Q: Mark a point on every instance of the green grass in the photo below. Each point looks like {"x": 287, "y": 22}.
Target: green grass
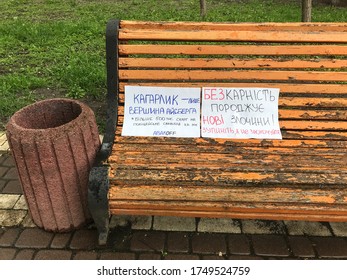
{"x": 60, "y": 45}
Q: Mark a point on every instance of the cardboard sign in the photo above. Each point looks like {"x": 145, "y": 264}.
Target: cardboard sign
{"x": 161, "y": 111}
{"x": 240, "y": 113}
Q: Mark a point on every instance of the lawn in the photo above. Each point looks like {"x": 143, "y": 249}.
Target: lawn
{"x": 51, "y": 48}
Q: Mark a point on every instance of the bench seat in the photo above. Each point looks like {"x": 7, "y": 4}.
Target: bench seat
{"x": 301, "y": 177}
{"x": 294, "y": 179}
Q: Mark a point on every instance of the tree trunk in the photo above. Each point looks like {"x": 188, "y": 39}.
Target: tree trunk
{"x": 203, "y": 8}
{"x": 306, "y": 10}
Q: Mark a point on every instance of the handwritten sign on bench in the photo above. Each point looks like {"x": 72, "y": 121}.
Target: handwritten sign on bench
{"x": 161, "y": 111}
{"x": 240, "y": 113}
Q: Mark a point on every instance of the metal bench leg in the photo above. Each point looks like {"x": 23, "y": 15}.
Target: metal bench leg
{"x": 98, "y": 202}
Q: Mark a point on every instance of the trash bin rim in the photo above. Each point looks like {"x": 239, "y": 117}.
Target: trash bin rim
{"x": 13, "y": 127}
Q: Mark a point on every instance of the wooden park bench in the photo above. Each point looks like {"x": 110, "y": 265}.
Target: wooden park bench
{"x": 301, "y": 177}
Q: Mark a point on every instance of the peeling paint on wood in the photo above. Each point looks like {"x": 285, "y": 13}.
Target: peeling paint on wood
{"x": 322, "y": 199}
{"x": 302, "y": 177}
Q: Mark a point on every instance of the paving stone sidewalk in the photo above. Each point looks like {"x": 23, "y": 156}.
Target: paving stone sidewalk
{"x": 163, "y": 238}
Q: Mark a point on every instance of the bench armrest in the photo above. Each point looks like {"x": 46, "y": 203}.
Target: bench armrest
{"x": 98, "y": 182}
{"x": 112, "y": 92}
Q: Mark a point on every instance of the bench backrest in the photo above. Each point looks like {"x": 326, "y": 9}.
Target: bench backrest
{"x": 306, "y": 61}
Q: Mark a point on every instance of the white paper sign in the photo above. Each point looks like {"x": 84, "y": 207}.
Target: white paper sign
{"x": 161, "y": 111}
{"x": 240, "y": 113}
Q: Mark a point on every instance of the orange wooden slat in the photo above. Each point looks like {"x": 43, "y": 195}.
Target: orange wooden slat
{"x": 205, "y": 208}
{"x": 261, "y": 75}
{"x": 229, "y": 209}
{"x": 196, "y": 49}
{"x": 258, "y": 195}
{"x": 227, "y": 177}
{"x": 232, "y": 151}
{"x": 300, "y": 134}
{"x": 324, "y": 162}
{"x": 313, "y": 114}
{"x": 323, "y": 26}
{"x": 321, "y": 89}
{"x": 256, "y": 160}
{"x": 230, "y": 206}
{"x": 228, "y": 63}
{"x": 312, "y": 102}
{"x": 227, "y": 145}
{"x": 277, "y": 214}
{"x": 314, "y": 125}
{"x": 235, "y": 36}
{"x": 233, "y": 147}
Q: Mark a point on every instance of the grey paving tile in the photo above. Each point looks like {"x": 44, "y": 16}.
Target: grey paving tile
{"x": 25, "y": 254}
{"x": 262, "y": 227}
{"x": 205, "y": 243}
{"x": 53, "y": 255}
{"x": 7, "y": 253}
{"x": 84, "y": 239}
{"x": 181, "y": 257}
{"x": 136, "y": 222}
{"x": 174, "y": 224}
{"x": 34, "y": 238}
{"x": 149, "y": 256}
{"x": 9, "y": 237}
{"x": 12, "y": 187}
{"x": 339, "y": 229}
{"x": 330, "y": 247}
{"x": 11, "y": 174}
{"x": 61, "y": 240}
{"x": 239, "y": 244}
{"x": 307, "y": 228}
{"x": 117, "y": 256}
{"x": 11, "y": 218}
{"x": 85, "y": 255}
{"x": 151, "y": 241}
{"x": 301, "y": 246}
{"x": 178, "y": 242}
{"x": 21, "y": 204}
{"x": 28, "y": 222}
{"x": 8, "y": 201}
{"x": 219, "y": 225}
{"x": 270, "y": 245}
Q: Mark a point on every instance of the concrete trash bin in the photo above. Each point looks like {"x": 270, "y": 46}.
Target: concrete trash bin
{"x": 54, "y": 143}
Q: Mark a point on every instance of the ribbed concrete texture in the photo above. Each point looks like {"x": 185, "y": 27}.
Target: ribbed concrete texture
{"x": 54, "y": 143}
